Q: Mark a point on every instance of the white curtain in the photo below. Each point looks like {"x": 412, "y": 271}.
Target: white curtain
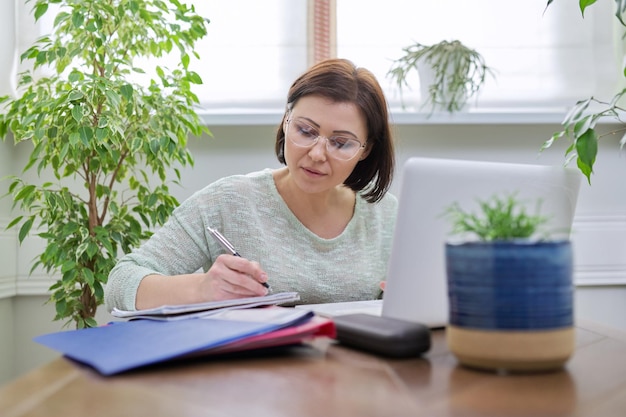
{"x": 254, "y": 50}
{"x": 8, "y": 50}
{"x": 541, "y": 57}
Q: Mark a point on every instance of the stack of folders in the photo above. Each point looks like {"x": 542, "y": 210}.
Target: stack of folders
{"x": 148, "y": 337}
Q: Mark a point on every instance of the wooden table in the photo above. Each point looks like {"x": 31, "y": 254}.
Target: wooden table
{"x": 326, "y": 379}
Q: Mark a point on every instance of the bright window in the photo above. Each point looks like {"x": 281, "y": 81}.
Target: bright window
{"x": 255, "y": 49}
{"x": 541, "y": 59}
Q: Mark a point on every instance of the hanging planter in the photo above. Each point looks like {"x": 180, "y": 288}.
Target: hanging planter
{"x": 450, "y": 73}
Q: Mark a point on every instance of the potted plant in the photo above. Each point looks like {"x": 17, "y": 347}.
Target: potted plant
{"x": 102, "y": 142}
{"x": 579, "y": 125}
{"x": 450, "y": 73}
{"x": 510, "y": 289}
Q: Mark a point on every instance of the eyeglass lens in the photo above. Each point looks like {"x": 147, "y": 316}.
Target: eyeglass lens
{"x": 303, "y": 134}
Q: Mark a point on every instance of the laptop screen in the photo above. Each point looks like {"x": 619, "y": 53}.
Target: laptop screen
{"x": 416, "y": 287}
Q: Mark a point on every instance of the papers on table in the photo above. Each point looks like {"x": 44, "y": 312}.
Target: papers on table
{"x": 126, "y": 345}
{"x": 178, "y": 312}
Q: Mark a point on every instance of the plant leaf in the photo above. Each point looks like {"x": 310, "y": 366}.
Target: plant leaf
{"x": 587, "y": 149}
{"x": 77, "y": 112}
{"x": 25, "y": 229}
{"x": 127, "y": 91}
{"x": 584, "y": 4}
{"x": 587, "y": 146}
{"x": 14, "y": 221}
{"x": 40, "y": 10}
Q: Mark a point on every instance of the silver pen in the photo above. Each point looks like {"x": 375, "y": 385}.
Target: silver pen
{"x": 229, "y": 247}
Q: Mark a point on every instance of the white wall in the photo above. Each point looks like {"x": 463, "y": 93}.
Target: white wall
{"x": 7, "y": 340}
{"x": 599, "y": 237}
{"x": 8, "y": 272}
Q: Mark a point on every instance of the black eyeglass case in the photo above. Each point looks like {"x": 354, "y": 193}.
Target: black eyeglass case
{"x": 384, "y": 336}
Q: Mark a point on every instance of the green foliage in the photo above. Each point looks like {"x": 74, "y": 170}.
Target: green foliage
{"x": 579, "y": 125}
{"x": 460, "y": 72}
{"x": 101, "y": 137}
{"x": 499, "y": 218}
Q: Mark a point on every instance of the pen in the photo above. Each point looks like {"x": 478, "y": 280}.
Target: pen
{"x": 228, "y": 246}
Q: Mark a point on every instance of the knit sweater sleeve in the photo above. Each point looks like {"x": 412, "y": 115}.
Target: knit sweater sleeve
{"x": 178, "y": 247}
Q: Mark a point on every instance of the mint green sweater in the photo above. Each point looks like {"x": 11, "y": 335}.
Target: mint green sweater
{"x": 250, "y": 212}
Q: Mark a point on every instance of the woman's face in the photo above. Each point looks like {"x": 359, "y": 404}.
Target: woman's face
{"x": 313, "y": 168}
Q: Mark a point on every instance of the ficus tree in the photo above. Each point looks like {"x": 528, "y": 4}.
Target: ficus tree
{"x": 105, "y": 145}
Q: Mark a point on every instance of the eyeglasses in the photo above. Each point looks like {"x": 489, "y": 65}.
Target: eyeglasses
{"x": 302, "y": 134}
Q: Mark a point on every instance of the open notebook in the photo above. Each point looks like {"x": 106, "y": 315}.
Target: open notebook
{"x": 416, "y": 287}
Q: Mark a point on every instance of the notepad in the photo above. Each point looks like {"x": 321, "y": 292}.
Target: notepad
{"x": 372, "y": 307}
{"x": 178, "y": 312}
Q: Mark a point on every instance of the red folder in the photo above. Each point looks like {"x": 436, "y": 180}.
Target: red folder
{"x": 315, "y": 327}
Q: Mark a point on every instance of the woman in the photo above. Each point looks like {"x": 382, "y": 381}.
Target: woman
{"x": 321, "y": 225}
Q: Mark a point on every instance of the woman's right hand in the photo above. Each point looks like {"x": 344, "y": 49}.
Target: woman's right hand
{"x": 232, "y": 277}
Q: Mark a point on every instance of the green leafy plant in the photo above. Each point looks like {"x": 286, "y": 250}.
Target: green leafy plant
{"x": 579, "y": 125}
{"x": 103, "y": 141}
{"x": 499, "y": 218}
{"x": 459, "y": 72}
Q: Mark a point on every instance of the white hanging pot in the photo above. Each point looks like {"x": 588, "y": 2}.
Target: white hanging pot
{"x": 439, "y": 98}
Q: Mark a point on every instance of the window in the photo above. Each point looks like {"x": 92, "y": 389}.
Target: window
{"x": 251, "y": 54}
{"x": 541, "y": 59}
{"x": 255, "y": 49}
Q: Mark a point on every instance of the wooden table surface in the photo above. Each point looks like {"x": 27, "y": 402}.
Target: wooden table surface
{"x": 326, "y": 379}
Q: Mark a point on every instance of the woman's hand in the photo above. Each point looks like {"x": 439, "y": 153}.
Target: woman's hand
{"x": 233, "y": 277}
{"x": 382, "y": 289}
{"x": 229, "y": 277}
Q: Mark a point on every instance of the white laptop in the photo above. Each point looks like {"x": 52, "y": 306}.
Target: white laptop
{"x": 416, "y": 287}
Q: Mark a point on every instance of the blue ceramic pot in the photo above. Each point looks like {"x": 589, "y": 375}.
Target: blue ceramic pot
{"x": 510, "y": 285}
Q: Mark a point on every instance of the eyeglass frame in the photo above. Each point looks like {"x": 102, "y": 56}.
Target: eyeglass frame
{"x": 317, "y": 138}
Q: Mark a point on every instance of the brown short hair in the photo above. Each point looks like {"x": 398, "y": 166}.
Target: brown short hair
{"x": 341, "y": 81}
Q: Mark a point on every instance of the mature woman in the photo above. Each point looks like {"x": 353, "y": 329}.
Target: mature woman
{"x": 321, "y": 225}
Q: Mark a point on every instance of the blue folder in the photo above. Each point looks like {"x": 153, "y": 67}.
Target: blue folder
{"x": 121, "y": 346}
